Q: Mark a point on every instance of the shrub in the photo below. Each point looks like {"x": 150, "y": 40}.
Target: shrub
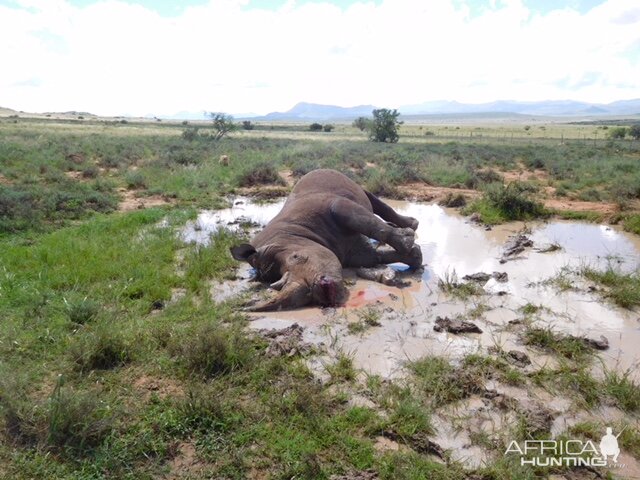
{"x": 210, "y": 350}
{"x": 513, "y": 201}
{"x": 135, "y": 180}
{"x": 68, "y": 422}
{"x": 247, "y": 125}
{"x": 259, "y": 174}
{"x": 190, "y": 134}
{"x": 617, "y": 132}
{"x": 101, "y": 349}
{"x": 315, "y": 127}
{"x": 328, "y": 127}
{"x": 82, "y": 311}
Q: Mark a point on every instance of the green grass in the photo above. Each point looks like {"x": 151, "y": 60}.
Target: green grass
{"x": 103, "y": 375}
{"x": 569, "y": 347}
{"x": 501, "y": 203}
{"x": 622, "y": 288}
{"x": 451, "y": 285}
{"x": 631, "y": 223}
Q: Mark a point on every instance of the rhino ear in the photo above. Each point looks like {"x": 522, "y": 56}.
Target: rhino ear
{"x": 242, "y": 252}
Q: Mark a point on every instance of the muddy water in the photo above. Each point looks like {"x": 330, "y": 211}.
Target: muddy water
{"x": 450, "y": 243}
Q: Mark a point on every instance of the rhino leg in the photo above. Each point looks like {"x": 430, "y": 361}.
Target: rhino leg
{"x": 365, "y": 255}
{"x": 389, "y": 214}
{"x": 358, "y": 219}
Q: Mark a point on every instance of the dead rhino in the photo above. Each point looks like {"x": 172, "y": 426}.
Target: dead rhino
{"x": 325, "y": 225}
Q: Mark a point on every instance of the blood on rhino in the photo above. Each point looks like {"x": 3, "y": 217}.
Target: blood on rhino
{"x": 325, "y": 225}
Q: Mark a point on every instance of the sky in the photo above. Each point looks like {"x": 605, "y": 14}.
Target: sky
{"x": 160, "y": 57}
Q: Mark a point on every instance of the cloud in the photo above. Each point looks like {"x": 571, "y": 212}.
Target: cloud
{"x": 112, "y": 57}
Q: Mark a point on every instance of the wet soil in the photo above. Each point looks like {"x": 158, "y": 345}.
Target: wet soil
{"x": 405, "y": 318}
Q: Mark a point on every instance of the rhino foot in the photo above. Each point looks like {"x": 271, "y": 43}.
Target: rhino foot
{"x": 403, "y": 240}
{"x": 415, "y": 257}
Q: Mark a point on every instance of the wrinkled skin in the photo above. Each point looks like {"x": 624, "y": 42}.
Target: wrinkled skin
{"x": 324, "y": 226}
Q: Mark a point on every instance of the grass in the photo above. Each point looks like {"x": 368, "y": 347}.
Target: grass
{"x": 569, "y": 347}
{"x": 501, "y": 203}
{"x": 451, "y": 285}
{"x": 622, "y": 288}
{"x": 104, "y": 375}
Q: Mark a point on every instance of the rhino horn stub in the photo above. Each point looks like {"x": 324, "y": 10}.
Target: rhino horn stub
{"x": 292, "y": 295}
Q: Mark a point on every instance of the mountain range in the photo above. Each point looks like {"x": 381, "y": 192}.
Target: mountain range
{"x": 555, "y": 108}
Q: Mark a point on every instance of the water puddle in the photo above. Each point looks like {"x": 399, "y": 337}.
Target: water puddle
{"x": 451, "y": 243}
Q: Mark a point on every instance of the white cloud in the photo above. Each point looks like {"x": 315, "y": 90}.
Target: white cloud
{"x": 113, "y": 57}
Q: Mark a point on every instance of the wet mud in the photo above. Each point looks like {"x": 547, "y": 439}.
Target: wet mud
{"x": 406, "y": 325}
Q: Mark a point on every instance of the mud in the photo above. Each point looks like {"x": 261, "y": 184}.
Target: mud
{"x": 455, "y": 325}
{"x": 407, "y": 316}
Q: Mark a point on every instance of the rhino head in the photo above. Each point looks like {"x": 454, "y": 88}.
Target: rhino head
{"x": 304, "y": 272}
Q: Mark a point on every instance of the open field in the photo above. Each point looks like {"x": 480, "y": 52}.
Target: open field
{"x": 116, "y": 361}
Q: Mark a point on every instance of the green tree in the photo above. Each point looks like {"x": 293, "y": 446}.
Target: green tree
{"x": 222, "y": 124}
{"x": 384, "y": 127}
{"x": 362, "y": 123}
{"x": 618, "y": 132}
{"x": 315, "y": 127}
{"x": 634, "y": 131}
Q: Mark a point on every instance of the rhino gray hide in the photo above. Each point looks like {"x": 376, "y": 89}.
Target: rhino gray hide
{"x": 324, "y": 226}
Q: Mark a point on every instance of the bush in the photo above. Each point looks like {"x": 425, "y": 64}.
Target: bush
{"x": 135, "y": 180}
{"x": 513, "y": 201}
{"x": 190, "y": 134}
{"x": 210, "y": 350}
{"x": 101, "y": 349}
{"x": 315, "y": 127}
{"x": 82, "y": 311}
{"x": 67, "y": 422}
{"x": 262, "y": 173}
{"x": 617, "y": 132}
{"x": 328, "y": 127}
{"x": 247, "y": 125}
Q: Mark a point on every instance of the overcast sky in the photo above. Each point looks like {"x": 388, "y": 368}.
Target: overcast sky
{"x": 160, "y": 57}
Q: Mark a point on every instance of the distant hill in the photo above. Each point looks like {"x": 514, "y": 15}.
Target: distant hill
{"x": 313, "y": 111}
{"x": 544, "y": 108}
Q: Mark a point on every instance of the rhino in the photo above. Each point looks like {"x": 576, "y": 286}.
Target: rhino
{"x": 325, "y": 225}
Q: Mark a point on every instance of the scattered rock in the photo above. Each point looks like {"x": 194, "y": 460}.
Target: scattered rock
{"x": 482, "y": 277}
{"x": 515, "y": 321}
{"x": 601, "y": 344}
{"x": 518, "y": 358}
{"x": 538, "y": 417}
{"x": 455, "y": 326}
{"x": 552, "y": 247}
{"x": 515, "y": 246}
{"x": 369, "y": 474}
{"x": 393, "y": 296}
{"x": 419, "y": 442}
{"x": 286, "y": 342}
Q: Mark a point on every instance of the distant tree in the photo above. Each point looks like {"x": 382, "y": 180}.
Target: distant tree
{"x": 634, "y": 131}
{"x": 247, "y": 125}
{"x": 618, "y": 132}
{"x": 362, "y": 123}
{"x": 384, "y": 127}
{"x": 222, "y": 124}
{"x": 328, "y": 127}
{"x": 315, "y": 127}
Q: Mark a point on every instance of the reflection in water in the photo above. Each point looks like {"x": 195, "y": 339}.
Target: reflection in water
{"x": 449, "y": 242}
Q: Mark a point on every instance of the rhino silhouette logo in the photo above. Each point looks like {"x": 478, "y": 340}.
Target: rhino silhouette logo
{"x": 609, "y": 445}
